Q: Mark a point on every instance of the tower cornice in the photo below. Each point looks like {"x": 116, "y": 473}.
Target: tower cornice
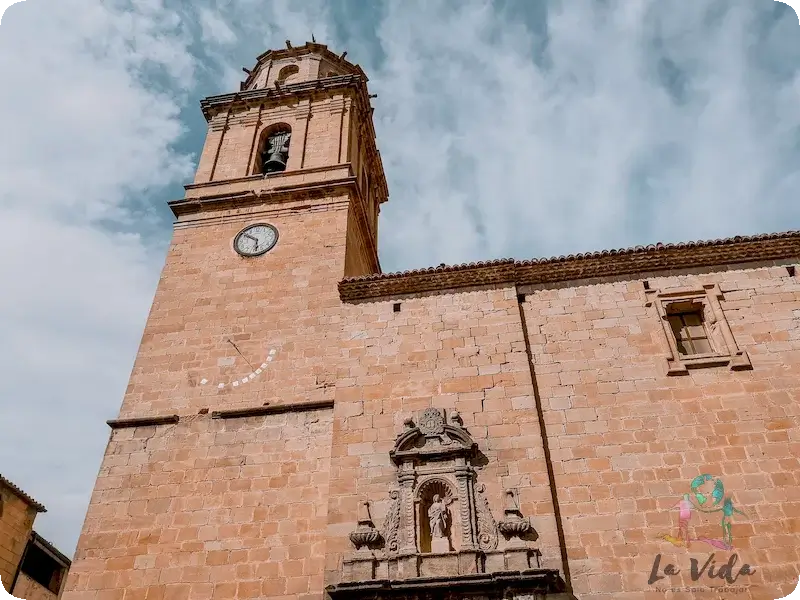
{"x": 241, "y": 199}
{"x": 304, "y": 89}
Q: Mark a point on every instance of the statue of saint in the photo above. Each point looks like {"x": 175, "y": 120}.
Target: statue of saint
{"x": 437, "y": 516}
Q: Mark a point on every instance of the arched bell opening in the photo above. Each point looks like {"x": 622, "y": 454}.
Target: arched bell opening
{"x": 437, "y": 512}
{"x": 286, "y": 74}
{"x": 273, "y": 155}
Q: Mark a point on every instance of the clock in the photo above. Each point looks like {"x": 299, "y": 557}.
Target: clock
{"x": 255, "y": 240}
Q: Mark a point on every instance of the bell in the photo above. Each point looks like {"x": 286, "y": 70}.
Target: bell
{"x": 275, "y": 163}
{"x": 276, "y": 152}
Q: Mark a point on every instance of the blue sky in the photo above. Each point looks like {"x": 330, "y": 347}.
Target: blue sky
{"x": 508, "y": 129}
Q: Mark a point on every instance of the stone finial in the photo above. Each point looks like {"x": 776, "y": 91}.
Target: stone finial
{"x": 455, "y": 419}
{"x": 513, "y": 525}
{"x": 408, "y": 423}
{"x": 365, "y": 534}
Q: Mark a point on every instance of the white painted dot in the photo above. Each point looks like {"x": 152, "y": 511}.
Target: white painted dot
{"x": 251, "y": 376}
{"x": 245, "y": 380}
{"x": 221, "y": 385}
{"x": 269, "y": 358}
{"x": 203, "y": 381}
{"x": 273, "y": 351}
{"x": 235, "y": 384}
{"x": 258, "y": 371}
{"x": 263, "y": 365}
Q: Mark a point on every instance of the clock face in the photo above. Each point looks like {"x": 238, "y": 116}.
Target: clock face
{"x": 255, "y": 240}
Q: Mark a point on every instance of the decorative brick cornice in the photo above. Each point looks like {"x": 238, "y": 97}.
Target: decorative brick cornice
{"x": 594, "y": 265}
{"x": 215, "y": 104}
{"x": 17, "y": 491}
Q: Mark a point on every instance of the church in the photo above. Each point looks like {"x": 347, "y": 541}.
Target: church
{"x": 300, "y": 425}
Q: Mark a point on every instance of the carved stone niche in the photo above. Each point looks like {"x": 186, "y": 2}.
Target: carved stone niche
{"x": 439, "y": 526}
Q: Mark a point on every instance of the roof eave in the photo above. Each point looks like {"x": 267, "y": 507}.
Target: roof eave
{"x": 18, "y": 492}
{"x": 580, "y": 267}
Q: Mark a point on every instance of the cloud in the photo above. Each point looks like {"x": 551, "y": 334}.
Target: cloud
{"x": 515, "y": 129}
{"x": 83, "y": 138}
{"x": 215, "y": 29}
{"x": 636, "y": 123}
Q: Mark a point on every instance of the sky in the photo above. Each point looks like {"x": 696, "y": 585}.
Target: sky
{"x": 508, "y": 129}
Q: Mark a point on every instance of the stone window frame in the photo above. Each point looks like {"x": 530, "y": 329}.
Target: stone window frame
{"x": 707, "y": 297}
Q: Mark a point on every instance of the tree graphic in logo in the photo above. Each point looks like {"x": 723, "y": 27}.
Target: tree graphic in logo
{"x": 707, "y": 495}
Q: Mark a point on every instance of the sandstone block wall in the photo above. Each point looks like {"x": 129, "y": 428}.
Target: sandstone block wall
{"x": 463, "y": 351}
{"x": 628, "y": 440}
{"x": 178, "y": 506}
{"x": 209, "y": 508}
{"x": 28, "y": 589}
{"x": 16, "y": 522}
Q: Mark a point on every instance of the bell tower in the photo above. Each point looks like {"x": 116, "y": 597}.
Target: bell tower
{"x": 215, "y": 477}
{"x": 300, "y": 125}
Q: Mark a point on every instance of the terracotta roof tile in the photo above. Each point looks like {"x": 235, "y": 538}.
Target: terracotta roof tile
{"x": 39, "y": 507}
{"x": 591, "y": 265}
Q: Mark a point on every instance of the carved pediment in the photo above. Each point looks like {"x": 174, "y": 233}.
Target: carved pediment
{"x": 433, "y": 439}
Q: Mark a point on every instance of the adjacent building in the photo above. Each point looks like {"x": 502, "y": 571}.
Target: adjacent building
{"x": 30, "y": 566}
{"x": 299, "y": 424}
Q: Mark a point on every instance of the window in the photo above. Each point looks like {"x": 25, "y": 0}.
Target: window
{"x": 43, "y": 568}
{"x": 696, "y": 330}
{"x": 689, "y": 329}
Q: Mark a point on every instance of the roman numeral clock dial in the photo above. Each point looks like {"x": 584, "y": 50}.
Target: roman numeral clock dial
{"x": 255, "y": 240}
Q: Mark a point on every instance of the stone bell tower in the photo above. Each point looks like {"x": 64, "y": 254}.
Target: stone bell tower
{"x": 215, "y": 478}
{"x": 301, "y": 123}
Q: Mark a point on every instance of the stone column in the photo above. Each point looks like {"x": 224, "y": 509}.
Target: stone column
{"x": 408, "y": 543}
{"x": 408, "y": 557}
{"x": 466, "y": 496}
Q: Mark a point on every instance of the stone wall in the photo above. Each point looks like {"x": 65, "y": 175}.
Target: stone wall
{"x": 209, "y": 508}
{"x": 27, "y": 589}
{"x": 627, "y": 439}
{"x": 462, "y": 351}
{"x": 16, "y": 522}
